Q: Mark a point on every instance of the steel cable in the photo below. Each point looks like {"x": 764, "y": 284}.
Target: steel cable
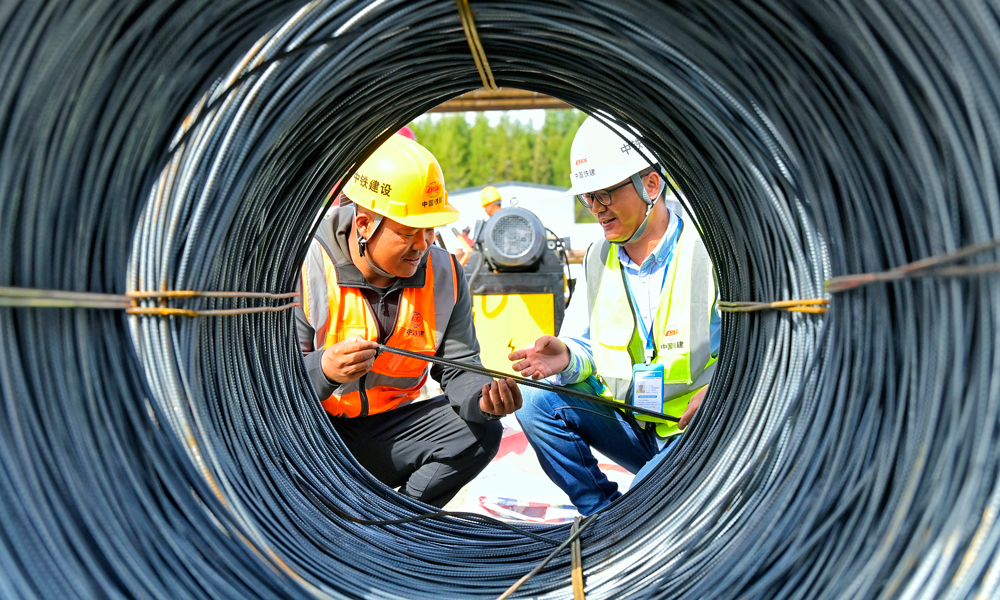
{"x": 190, "y": 145}
{"x": 524, "y": 381}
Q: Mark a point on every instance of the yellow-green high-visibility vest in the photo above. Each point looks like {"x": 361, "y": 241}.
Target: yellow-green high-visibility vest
{"x": 681, "y": 330}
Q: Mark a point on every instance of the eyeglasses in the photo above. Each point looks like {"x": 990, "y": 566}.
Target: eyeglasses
{"x": 603, "y": 196}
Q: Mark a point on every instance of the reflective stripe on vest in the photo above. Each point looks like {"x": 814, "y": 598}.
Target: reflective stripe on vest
{"x": 423, "y": 314}
{"x": 681, "y": 329}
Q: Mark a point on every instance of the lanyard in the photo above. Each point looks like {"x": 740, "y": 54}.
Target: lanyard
{"x": 650, "y": 346}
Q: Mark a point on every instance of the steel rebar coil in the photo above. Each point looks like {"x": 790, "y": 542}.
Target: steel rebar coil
{"x": 191, "y": 145}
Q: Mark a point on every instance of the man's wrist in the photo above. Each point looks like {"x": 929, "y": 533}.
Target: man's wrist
{"x": 327, "y": 375}
{"x": 572, "y": 368}
{"x": 490, "y": 416}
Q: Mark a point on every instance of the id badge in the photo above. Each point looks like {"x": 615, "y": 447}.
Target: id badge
{"x": 647, "y": 387}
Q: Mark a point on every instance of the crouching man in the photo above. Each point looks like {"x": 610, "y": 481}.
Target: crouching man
{"x": 373, "y": 276}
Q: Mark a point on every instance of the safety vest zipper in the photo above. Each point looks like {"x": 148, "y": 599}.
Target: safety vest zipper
{"x": 383, "y": 337}
{"x": 364, "y": 396}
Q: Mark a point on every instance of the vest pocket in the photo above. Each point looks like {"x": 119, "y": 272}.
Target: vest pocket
{"x": 347, "y": 405}
{"x": 677, "y": 368}
{"x": 611, "y": 353}
{"x": 397, "y": 365}
{"x": 613, "y": 337}
{"x": 348, "y": 332}
{"x": 385, "y": 398}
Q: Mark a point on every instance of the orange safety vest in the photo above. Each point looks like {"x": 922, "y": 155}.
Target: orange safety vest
{"x": 394, "y": 380}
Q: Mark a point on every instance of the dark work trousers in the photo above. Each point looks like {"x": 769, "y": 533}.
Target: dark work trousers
{"x": 425, "y": 448}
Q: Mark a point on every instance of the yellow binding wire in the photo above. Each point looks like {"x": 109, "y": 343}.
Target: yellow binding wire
{"x": 476, "y": 45}
{"x": 38, "y": 298}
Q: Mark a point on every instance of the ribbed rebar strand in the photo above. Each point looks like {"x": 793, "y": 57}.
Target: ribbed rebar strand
{"x": 174, "y": 145}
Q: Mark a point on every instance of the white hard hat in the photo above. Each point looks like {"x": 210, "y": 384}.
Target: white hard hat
{"x": 601, "y": 157}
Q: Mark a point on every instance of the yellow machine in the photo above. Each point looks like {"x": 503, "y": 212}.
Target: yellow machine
{"x": 519, "y": 283}
{"x": 505, "y": 322}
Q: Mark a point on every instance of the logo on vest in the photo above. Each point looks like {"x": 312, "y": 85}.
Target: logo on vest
{"x": 671, "y": 332}
{"x": 416, "y": 328}
{"x": 672, "y": 346}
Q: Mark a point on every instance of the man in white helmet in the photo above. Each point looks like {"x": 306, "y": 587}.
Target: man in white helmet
{"x": 653, "y": 333}
{"x": 373, "y": 276}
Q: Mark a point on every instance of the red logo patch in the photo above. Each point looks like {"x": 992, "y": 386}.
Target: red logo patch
{"x": 416, "y": 328}
{"x": 580, "y": 161}
{"x": 671, "y": 332}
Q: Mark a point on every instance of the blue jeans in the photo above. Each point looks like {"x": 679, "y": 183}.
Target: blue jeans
{"x": 562, "y": 430}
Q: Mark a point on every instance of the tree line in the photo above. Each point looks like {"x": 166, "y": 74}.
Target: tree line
{"x": 480, "y": 154}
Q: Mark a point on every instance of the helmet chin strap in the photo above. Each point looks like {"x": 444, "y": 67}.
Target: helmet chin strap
{"x": 363, "y": 242}
{"x": 641, "y": 189}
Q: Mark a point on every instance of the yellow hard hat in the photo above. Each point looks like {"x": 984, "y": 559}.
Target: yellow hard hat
{"x": 489, "y": 195}
{"x": 403, "y": 181}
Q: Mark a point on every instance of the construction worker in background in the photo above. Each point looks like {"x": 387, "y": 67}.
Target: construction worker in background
{"x": 653, "y": 334}
{"x": 490, "y": 199}
{"x": 466, "y": 236}
{"x": 373, "y": 276}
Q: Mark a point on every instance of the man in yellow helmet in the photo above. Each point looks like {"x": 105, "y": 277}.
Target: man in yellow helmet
{"x": 373, "y": 276}
{"x": 490, "y": 199}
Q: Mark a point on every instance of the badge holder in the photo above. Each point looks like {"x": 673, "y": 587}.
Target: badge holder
{"x": 647, "y": 381}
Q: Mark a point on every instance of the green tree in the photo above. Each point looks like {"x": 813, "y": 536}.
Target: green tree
{"x": 482, "y": 158}
{"x": 448, "y": 139}
{"x": 513, "y": 139}
{"x": 511, "y": 150}
{"x": 564, "y": 126}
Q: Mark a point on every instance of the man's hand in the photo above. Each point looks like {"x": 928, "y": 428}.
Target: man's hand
{"x": 501, "y": 397}
{"x": 348, "y": 360}
{"x": 545, "y": 358}
{"x": 692, "y": 408}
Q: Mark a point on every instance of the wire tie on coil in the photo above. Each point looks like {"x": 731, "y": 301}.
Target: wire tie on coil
{"x": 476, "y": 45}
{"x": 576, "y": 555}
{"x": 210, "y": 294}
{"x": 574, "y": 535}
{"x": 925, "y": 267}
{"x": 813, "y": 305}
{"x": 36, "y": 298}
{"x": 163, "y": 311}
{"x": 931, "y": 266}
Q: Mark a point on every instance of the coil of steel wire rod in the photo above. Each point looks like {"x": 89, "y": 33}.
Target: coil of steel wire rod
{"x": 190, "y": 145}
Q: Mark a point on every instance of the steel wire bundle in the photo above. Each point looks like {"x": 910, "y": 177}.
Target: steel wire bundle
{"x": 175, "y": 145}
